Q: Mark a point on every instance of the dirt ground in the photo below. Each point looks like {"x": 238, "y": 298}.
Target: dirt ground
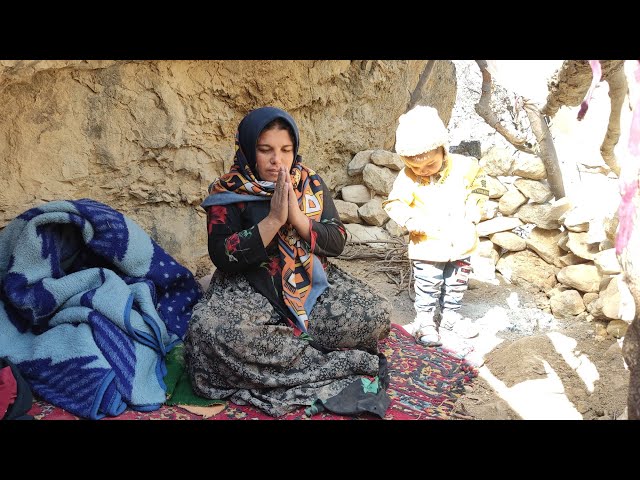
{"x": 536, "y": 366}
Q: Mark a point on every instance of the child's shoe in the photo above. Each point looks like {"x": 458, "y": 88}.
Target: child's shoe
{"x": 428, "y": 336}
{"x": 423, "y": 328}
{"x": 454, "y": 322}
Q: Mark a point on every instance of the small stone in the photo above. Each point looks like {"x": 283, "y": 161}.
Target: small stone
{"x": 617, "y": 328}
{"x": 601, "y": 330}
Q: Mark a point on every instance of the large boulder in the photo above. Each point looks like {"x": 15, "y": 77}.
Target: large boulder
{"x": 527, "y": 270}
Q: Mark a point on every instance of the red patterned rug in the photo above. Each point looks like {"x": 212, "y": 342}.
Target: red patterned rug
{"x": 424, "y": 384}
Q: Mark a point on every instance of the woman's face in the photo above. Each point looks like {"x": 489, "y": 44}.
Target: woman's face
{"x": 274, "y": 149}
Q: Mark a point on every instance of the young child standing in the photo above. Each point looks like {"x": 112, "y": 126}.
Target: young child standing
{"x": 438, "y": 196}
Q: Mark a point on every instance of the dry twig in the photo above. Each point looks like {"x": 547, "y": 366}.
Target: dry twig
{"x": 392, "y": 260}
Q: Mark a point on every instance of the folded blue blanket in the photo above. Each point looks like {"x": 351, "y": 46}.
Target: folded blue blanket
{"x": 89, "y": 307}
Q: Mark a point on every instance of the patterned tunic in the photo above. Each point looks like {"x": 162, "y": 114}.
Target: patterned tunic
{"x": 235, "y": 244}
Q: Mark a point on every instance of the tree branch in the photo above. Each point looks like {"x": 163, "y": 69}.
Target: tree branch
{"x": 483, "y": 108}
{"x": 424, "y": 76}
{"x": 547, "y": 149}
{"x": 618, "y": 86}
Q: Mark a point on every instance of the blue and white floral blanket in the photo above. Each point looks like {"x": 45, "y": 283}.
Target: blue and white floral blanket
{"x": 89, "y": 307}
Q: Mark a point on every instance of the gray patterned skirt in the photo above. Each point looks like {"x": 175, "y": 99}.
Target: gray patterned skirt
{"x": 237, "y": 349}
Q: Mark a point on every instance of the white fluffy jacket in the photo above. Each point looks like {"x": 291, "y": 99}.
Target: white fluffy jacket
{"x": 447, "y": 209}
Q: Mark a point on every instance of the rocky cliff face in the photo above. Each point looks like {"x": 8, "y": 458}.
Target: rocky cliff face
{"x": 147, "y": 137}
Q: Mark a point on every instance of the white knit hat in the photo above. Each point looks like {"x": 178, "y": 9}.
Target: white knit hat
{"x": 420, "y": 130}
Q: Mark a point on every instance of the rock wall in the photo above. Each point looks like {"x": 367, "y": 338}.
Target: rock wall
{"x": 147, "y": 137}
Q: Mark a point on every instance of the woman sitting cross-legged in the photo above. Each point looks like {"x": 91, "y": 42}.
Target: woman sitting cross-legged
{"x": 280, "y": 327}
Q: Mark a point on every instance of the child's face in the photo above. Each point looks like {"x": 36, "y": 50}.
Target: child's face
{"x": 426, "y": 164}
